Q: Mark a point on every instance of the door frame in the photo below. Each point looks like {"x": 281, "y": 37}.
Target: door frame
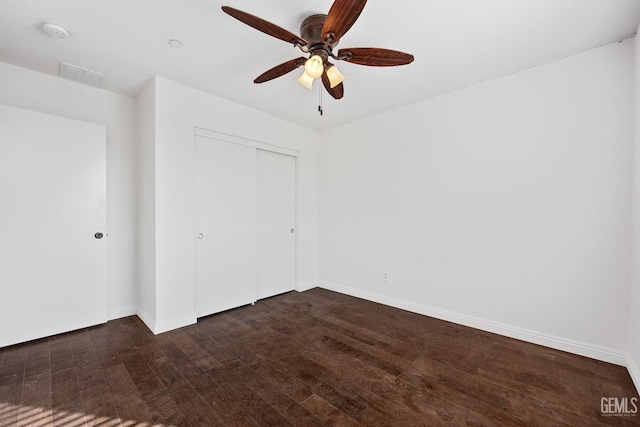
{"x": 233, "y": 139}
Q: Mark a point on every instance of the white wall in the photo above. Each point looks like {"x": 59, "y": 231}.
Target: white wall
{"x": 179, "y": 109}
{"x": 35, "y": 91}
{"x": 503, "y": 206}
{"x": 634, "y": 294}
{"x": 146, "y": 111}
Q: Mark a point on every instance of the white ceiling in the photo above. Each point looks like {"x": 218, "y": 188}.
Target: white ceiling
{"x": 456, "y": 43}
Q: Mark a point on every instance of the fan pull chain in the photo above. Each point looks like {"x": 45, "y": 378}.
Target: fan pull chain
{"x": 320, "y": 101}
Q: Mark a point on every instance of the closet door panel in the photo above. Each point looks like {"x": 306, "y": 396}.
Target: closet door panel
{"x": 226, "y": 248}
{"x": 276, "y": 223}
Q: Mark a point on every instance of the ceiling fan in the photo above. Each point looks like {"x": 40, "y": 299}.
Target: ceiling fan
{"x": 319, "y": 36}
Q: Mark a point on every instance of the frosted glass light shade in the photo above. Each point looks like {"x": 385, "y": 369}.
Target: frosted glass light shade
{"x": 314, "y": 66}
{"x": 306, "y": 80}
{"x": 335, "y": 76}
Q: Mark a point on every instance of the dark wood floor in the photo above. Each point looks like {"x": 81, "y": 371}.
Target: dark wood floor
{"x": 305, "y": 359}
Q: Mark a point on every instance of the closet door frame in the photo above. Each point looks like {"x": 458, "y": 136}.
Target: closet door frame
{"x": 232, "y": 139}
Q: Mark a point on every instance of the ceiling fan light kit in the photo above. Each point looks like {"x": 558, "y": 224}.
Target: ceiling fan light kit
{"x": 314, "y": 66}
{"x": 319, "y": 36}
{"x": 306, "y": 80}
{"x": 334, "y": 75}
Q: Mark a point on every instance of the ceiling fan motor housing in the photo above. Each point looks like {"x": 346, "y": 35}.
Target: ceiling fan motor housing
{"x": 311, "y": 30}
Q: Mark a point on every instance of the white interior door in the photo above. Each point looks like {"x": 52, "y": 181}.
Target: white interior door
{"x": 225, "y": 206}
{"x": 276, "y": 223}
{"x": 52, "y": 203}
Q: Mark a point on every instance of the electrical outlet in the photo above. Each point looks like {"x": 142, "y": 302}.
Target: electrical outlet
{"x": 385, "y": 276}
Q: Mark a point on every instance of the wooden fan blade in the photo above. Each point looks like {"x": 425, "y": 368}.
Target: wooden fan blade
{"x": 342, "y": 15}
{"x": 265, "y": 26}
{"x": 280, "y": 70}
{"x": 375, "y": 57}
{"x": 337, "y": 92}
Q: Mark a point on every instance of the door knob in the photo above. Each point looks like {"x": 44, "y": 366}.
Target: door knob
{"x": 292, "y": 230}
{"x": 98, "y": 235}
{"x": 200, "y": 236}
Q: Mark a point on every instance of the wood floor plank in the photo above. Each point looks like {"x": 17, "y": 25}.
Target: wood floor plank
{"x": 327, "y": 413}
{"x": 38, "y": 358}
{"x": 61, "y": 354}
{"x": 189, "y": 370}
{"x": 162, "y": 367}
{"x": 65, "y": 391}
{"x": 98, "y": 405}
{"x": 282, "y": 403}
{"x": 128, "y": 403}
{"x": 283, "y": 382}
{"x": 202, "y": 358}
{"x": 227, "y": 409}
{"x": 12, "y": 369}
{"x": 136, "y": 333}
{"x": 35, "y": 404}
{"x": 161, "y": 406}
{"x": 231, "y": 380}
{"x": 106, "y": 353}
{"x": 414, "y": 397}
{"x": 327, "y": 385}
{"x": 80, "y": 342}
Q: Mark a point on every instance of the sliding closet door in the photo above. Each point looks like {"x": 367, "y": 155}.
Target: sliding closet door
{"x": 52, "y": 225}
{"x": 276, "y": 223}
{"x": 225, "y": 206}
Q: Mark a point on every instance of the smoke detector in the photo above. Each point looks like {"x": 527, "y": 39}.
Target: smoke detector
{"x": 55, "y": 29}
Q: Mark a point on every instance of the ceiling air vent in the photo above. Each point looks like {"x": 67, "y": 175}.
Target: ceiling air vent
{"x": 78, "y": 74}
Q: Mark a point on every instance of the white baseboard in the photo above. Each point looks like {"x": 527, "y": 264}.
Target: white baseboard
{"x": 301, "y": 287}
{"x": 632, "y": 367}
{"x": 166, "y": 325}
{"x": 121, "y": 312}
{"x": 175, "y": 323}
{"x": 576, "y": 347}
{"x": 146, "y": 318}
